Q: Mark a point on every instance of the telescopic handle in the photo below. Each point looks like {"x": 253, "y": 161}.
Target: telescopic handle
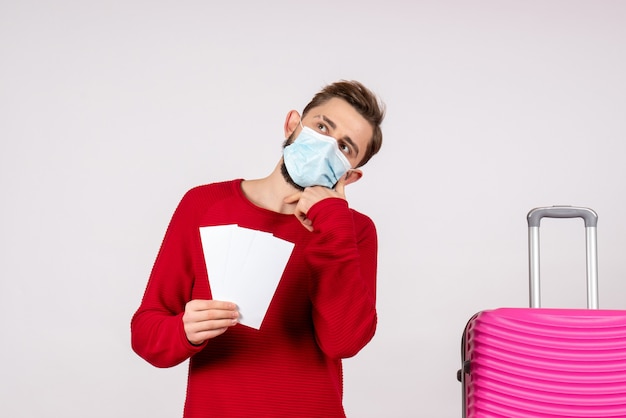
{"x": 589, "y": 216}
{"x": 591, "y": 221}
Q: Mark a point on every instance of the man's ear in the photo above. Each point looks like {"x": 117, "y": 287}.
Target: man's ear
{"x": 353, "y": 175}
{"x": 291, "y": 122}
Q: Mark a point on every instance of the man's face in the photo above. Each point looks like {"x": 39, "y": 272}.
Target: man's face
{"x": 338, "y": 119}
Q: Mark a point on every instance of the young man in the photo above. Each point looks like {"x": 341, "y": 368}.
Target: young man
{"x": 323, "y": 309}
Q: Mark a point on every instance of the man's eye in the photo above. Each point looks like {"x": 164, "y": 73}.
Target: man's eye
{"x": 345, "y": 148}
{"x": 322, "y": 128}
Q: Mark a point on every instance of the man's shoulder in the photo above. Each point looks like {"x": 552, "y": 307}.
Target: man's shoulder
{"x": 360, "y": 216}
{"x": 199, "y": 198}
{"x": 213, "y": 190}
{"x": 362, "y": 222}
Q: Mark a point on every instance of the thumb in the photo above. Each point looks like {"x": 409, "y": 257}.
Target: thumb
{"x": 341, "y": 185}
{"x": 293, "y": 198}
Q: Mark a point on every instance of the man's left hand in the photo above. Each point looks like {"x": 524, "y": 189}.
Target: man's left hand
{"x": 310, "y": 196}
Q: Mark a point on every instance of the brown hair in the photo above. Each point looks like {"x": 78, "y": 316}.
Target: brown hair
{"x": 363, "y": 101}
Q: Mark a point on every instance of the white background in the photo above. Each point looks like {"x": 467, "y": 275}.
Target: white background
{"x": 111, "y": 110}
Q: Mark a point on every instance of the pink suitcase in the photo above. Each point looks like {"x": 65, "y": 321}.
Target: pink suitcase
{"x": 539, "y": 362}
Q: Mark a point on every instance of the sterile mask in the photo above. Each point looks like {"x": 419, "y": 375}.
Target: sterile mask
{"x": 314, "y": 159}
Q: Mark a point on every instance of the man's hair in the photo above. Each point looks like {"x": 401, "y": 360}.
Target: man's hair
{"x": 363, "y": 101}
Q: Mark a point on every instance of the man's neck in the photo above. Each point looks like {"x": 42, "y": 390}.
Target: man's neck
{"x": 270, "y": 192}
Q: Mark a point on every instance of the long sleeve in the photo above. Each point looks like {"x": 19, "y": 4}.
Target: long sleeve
{"x": 323, "y": 309}
{"x": 343, "y": 258}
{"x": 157, "y": 332}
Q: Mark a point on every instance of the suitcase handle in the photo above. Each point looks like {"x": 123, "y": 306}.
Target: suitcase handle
{"x": 535, "y": 215}
{"x": 591, "y": 221}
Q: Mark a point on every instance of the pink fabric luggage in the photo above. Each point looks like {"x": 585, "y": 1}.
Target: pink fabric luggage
{"x": 541, "y": 362}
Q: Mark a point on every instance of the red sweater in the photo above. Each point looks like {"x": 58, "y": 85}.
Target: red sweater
{"x": 323, "y": 310}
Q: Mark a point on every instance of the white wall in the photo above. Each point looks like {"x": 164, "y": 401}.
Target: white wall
{"x": 111, "y": 110}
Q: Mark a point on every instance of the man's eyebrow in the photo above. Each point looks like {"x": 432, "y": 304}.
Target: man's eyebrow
{"x": 345, "y": 138}
{"x": 328, "y": 121}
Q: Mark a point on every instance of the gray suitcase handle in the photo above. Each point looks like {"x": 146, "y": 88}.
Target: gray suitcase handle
{"x": 591, "y": 221}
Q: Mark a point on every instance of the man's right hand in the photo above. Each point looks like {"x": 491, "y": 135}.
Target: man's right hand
{"x": 206, "y": 319}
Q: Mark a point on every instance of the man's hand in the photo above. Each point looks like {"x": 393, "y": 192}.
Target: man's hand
{"x": 310, "y": 196}
{"x": 206, "y": 319}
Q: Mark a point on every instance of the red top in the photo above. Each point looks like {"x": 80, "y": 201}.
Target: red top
{"x": 323, "y": 310}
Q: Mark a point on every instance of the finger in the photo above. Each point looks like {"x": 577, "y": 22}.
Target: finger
{"x": 299, "y": 213}
{"x": 212, "y": 324}
{"x": 217, "y": 315}
{"x": 205, "y": 305}
{"x": 221, "y": 305}
{"x": 208, "y": 322}
{"x": 202, "y": 336}
{"x": 306, "y": 222}
{"x": 196, "y": 305}
{"x": 293, "y": 198}
{"x": 198, "y": 336}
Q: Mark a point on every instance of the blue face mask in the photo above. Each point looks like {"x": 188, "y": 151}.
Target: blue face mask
{"x": 314, "y": 159}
